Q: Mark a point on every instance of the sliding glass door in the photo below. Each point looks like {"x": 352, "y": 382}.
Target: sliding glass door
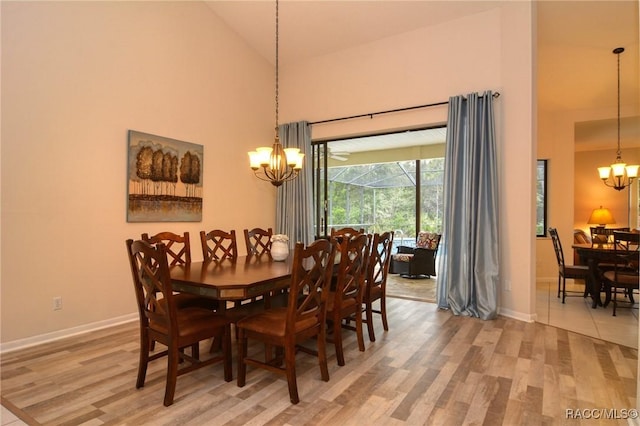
{"x": 380, "y": 183}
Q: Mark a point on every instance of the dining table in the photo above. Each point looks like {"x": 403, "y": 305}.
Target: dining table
{"x": 592, "y": 255}
{"x": 244, "y": 278}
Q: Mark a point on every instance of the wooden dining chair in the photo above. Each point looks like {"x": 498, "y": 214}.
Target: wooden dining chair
{"x": 161, "y": 320}
{"x": 575, "y": 272}
{"x": 376, "y": 280}
{"x": 345, "y": 302}
{"x": 286, "y": 328}
{"x": 348, "y": 232}
{"x": 258, "y": 241}
{"x": 624, "y": 278}
{"x": 178, "y": 250}
{"x": 219, "y": 245}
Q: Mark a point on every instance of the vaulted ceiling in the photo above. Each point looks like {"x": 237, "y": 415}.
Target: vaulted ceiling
{"x": 576, "y": 68}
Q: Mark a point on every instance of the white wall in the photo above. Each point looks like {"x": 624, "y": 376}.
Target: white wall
{"x": 76, "y": 76}
{"x": 488, "y": 51}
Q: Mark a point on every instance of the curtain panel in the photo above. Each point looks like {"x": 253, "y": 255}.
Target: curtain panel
{"x": 294, "y": 201}
{"x": 468, "y": 267}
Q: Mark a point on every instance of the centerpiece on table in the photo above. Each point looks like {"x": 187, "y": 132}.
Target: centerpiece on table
{"x": 279, "y": 247}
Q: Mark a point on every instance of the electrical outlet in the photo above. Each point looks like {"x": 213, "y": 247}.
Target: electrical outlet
{"x": 507, "y": 285}
{"x": 57, "y": 303}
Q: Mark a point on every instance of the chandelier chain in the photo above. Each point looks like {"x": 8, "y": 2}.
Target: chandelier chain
{"x": 277, "y": 63}
{"x": 619, "y": 152}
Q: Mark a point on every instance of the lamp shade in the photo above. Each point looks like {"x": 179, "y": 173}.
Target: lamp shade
{"x": 601, "y": 216}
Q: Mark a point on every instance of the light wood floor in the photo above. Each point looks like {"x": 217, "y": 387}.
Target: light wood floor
{"x": 430, "y": 368}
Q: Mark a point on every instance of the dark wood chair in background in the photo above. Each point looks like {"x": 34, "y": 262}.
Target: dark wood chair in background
{"x": 161, "y": 321}
{"x": 286, "y": 328}
{"x": 219, "y": 245}
{"x": 345, "y": 232}
{"x": 575, "y": 272}
{"x": 602, "y": 235}
{"x": 376, "y": 280}
{"x": 345, "y": 302}
{"x": 624, "y": 278}
{"x": 258, "y": 241}
{"x": 178, "y": 250}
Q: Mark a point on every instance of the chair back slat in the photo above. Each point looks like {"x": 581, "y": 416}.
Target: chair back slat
{"x": 258, "y": 241}
{"x": 310, "y": 280}
{"x": 557, "y": 247}
{"x": 178, "y": 247}
{"x": 347, "y": 233}
{"x": 379, "y": 259}
{"x": 152, "y": 282}
{"x": 219, "y": 245}
{"x": 351, "y": 270}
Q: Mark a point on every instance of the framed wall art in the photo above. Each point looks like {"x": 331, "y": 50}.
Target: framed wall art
{"x": 164, "y": 179}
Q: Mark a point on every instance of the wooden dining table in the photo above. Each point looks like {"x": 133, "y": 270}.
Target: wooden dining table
{"x": 244, "y": 278}
{"x": 592, "y": 255}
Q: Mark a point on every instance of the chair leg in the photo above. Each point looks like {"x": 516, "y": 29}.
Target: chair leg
{"x": 172, "y": 375}
{"x": 359, "y": 332}
{"x": 564, "y": 288}
{"x": 290, "y": 367}
{"x": 559, "y": 284}
{"x": 195, "y": 350}
{"x": 383, "y": 312}
{"x": 145, "y": 344}
{"x": 337, "y": 341}
{"x": 322, "y": 355}
{"x": 615, "y": 300}
{"x": 369, "y": 314}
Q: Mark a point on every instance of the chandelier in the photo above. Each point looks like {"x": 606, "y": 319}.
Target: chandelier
{"x": 619, "y": 175}
{"x": 276, "y": 164}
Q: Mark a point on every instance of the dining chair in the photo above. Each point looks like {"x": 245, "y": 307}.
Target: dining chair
{"x": 286, "y": 328}
{"x": 624, "y": 276}
{"x": 161, "y": 320}
{"x": 178, "y": 250}
{"x": 376, "y": 280}
{"x": 219, "y": 245}
{"x": 602, "y": 235}
{"x": 258, "y": 241}
{"x": 346, "y": 232}
{"x": 345, "y": 302}
{"x": 575, "y": 272}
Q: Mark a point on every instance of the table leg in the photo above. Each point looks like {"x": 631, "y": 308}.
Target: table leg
{"x": 593, "y": 283}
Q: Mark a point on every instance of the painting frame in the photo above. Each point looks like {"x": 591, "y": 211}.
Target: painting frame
{"x": 164, "y": 179}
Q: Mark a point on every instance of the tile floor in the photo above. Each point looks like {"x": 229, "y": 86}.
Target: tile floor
{"x": 8, "y": 418}
{"x": 577, "y": 315}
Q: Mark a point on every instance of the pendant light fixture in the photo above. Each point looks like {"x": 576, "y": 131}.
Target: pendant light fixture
{"x": 619, "y": 175}
{"x": 276, "y": 164}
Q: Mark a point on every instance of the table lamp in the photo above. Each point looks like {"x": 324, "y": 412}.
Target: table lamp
{"x": 601, "y": 217}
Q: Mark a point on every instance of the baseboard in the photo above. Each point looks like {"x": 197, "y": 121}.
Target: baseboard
{"x": 518, "y": 315}
{"x": 61, "y": 334}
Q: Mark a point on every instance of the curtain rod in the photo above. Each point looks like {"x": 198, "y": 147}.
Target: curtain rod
{"x": 371, "y": 114}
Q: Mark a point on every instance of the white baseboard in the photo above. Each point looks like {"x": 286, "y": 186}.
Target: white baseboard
{"x": 61, "y": 334}
{"x": 518, "y": 315}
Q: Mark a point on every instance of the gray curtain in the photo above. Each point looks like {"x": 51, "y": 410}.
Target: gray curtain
{"x": 468, "y": 269}
{"x": 294, "y": 202}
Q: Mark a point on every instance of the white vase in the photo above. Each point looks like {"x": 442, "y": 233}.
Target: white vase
{"x": 279, "y": 250}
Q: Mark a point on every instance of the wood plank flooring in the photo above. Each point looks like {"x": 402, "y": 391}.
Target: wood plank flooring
{"x": 431, "y": 368}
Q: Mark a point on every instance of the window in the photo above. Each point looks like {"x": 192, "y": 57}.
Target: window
{"x": 541, "y": 199}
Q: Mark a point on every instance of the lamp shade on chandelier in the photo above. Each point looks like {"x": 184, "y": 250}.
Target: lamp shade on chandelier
{"x": 619, "y": 175}
{"x": 276, "y": 164}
